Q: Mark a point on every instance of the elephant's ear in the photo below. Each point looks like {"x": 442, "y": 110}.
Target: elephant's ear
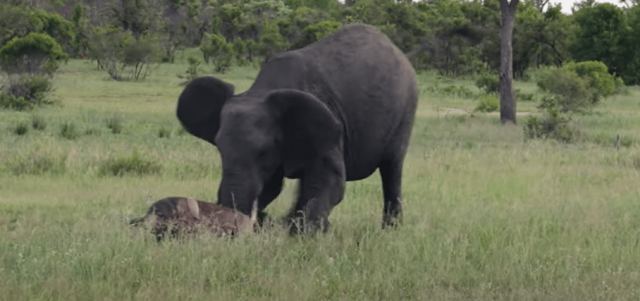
{"x": 308, "y": 126}
{"x": 199, "y": 106}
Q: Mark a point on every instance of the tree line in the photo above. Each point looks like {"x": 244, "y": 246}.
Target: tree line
{"x": 454, "y": 37}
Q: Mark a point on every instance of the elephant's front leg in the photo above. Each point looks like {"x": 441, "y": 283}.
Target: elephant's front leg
{"x": 321, "y": 189}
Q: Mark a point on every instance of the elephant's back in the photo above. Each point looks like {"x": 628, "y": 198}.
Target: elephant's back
{"x": 374, "y": 86}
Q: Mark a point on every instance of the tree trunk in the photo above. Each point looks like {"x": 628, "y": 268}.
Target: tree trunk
{"x": 507, "y": 100}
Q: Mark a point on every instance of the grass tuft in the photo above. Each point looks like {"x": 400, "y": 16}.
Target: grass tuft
{"x": 115, "y": 124}
{"x": 69, "y": 131}
{"x": 38, "y": 123}
{"x": 130, "y": 165}
{"x": 21, "y": 129}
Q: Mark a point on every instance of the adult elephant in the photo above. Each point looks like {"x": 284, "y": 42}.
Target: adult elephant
{"x": 331, "y": 112}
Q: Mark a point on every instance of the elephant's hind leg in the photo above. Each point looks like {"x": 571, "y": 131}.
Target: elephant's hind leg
{"x": 391, "y": 174}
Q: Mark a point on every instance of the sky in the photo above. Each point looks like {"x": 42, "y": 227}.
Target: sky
{"x": 567, "y": 4}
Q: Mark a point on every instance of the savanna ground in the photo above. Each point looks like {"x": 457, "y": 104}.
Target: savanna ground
{"x": 488, "y": 215}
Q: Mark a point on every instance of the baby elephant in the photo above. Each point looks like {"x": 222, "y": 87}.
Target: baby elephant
{"x": 180, "y": 215}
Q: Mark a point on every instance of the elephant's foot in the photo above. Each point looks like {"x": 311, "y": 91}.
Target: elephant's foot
{"x": 298, "y": 224}
{"x": 392, "y": 216}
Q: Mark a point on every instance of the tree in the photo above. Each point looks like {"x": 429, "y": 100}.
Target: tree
{"x": 507, "y": 99}
{"x": 599, "y": 35}
{"x": 29, "y": 62}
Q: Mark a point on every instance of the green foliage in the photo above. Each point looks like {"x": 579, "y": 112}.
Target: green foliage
{"x": 487, "y": 103}
{"x": 576, "y": 87}
{"x": 121, "y": 55}
{"x": 24, "y": 92}
{"x": 552, "y": 125}
{"x": 631, "y": 72}
{"x": 130, "y": 165}
{"x": 540, "y": 38}
{"x": 318, "y": 31}
{"x": 597, "y": 77}
{"x": 271, "y": 40}
{"x": 565, "y": 90}
{"x": 216, "y": 50}
{"x": 18, "y": 21}
{"x": 192, "y": 72}
{"x": 490, "y": 83}
{"x": 34, "y": 53}
{"x": 600, "y": 36}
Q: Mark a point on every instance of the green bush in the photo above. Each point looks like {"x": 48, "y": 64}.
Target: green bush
{"x": 564, "y": 89}
{"x": 35, "y": 53}
{"x": 490, "y": 83}
{"x": 317, "y": 31}
{"x": 597, "y": 76}
{"x": 576, "y": 87}
{"x": 217, "y": 51}
{"x": 29, "y": 62}
{"x": 192, "y": 72}
{"x": 23, "y": 92}
{"x": 131, "y": 165}
{"x": 121, "y": 55}
{"x": 552, "y": 125}
{"x": 487, "y": 103}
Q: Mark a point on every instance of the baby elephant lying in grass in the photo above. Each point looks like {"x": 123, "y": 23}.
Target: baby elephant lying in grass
{"x": 180, "y": 215}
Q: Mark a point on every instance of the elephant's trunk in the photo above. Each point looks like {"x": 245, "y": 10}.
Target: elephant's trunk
{"x": 238, "y": 191}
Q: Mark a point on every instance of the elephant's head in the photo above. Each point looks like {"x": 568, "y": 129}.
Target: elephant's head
{"x": 256, "y": 133}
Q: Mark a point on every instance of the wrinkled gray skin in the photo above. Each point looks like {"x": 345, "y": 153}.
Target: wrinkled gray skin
{"x": 331, "y": 112}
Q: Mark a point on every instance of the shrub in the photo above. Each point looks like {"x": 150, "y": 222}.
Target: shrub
{"x": 15, "y": 103}
{"x": 22, "y": 92}
{"x": 564, "y": 90}
{"x": 192, "y": 72}
{"x": 490, "y": 83}
{"x": 29, "y": 62}
{"x": 133, "y": 165}
{"x": 35, "y": 53}
{"x": 317, "y": 31}
{"x": 217, "y": 51}
{"x": 114, "y": 124}
{"x": 487, "y": 103}
{"x": 121, "y": 55}
{"x": 38, "y": 123}
{"x": 69, "y": 131}
{"x": 552, "y": 125}
{"x": 21, "y": 129}
{"x": 576, "y": 87}
{"x": 596, "y": 74}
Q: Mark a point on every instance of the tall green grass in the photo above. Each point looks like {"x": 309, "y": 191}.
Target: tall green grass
{"x": 488, "y": 215}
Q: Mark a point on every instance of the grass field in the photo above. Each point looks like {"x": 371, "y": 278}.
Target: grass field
{"x": 488, "y": 215}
